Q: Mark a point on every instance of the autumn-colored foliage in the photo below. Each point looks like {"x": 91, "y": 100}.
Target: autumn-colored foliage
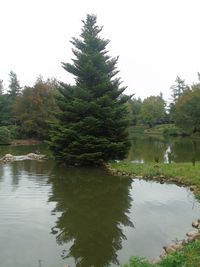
{"x": 35, "y": 109}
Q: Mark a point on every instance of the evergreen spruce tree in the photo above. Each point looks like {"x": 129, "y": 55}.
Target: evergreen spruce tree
{"x": 14, "y": 86}
{"x": 178, "y": 89}
{"x": 1, "y": 87}
{"x": 93, "y": 119}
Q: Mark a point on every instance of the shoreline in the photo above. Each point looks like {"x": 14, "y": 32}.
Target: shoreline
{"x": 25, "y": 142}
{"x": 162, "y": 173}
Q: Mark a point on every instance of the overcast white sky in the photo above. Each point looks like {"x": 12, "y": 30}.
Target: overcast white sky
{"x": 156, "y": 40}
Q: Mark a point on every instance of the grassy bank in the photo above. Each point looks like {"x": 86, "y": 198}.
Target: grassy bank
{"x": 188, "y": 256}
{"x": 163, "y": 130}
{"x": 158, "y": 129}
{"x": 179, "y": 173}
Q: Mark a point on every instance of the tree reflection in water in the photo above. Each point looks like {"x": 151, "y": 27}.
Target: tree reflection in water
{"x": 94, "y": 206}
{"x": 157, "y": 148}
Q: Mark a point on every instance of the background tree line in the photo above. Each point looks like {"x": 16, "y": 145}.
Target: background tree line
{"x": 28, "y": 112}
{"x": 183, "y": 111}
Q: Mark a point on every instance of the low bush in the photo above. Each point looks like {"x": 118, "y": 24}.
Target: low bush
{"x": 175, "y": 131}
{"x": 16, "y": 132}
{"x": 5, "y": 135}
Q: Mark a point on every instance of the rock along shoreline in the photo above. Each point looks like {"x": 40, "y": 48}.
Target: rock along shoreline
{"x": 191, "y": 236}
{"x": 30, "y": 156}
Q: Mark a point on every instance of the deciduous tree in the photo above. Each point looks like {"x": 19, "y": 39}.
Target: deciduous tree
{"x": 35, "y": 109}
{"x": 188, "y": 110}
{"x": 134, "y": 105}
{"x": 153, "y": 110}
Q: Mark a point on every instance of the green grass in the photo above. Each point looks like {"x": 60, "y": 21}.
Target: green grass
{"x": 158, "y": 129}
{"x": 181, "y": 173}
{"x": 137, "y": 129}
{"x": 188, "y": 256}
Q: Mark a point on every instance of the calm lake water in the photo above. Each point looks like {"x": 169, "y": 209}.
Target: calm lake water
{"x": 52, "y": 216}
{"x": 150, "y": 149}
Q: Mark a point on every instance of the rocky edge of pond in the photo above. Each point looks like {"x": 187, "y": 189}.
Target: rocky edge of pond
{"x": 157, "y": 178}
{"x": 30, "y": 156}
{"x": 191, "y": 236}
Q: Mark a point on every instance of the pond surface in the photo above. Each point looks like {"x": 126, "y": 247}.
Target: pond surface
{"x": 52, "y": 216}
{"x": 159, "y": 149}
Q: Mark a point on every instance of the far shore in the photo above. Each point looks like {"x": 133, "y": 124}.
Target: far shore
{"x": 26, "y": 142}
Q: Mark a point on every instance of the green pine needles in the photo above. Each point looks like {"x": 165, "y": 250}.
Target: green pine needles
{"x": 93, "y": 116}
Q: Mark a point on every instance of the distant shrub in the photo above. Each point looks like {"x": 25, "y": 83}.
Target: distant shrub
{"x": 15, "y": 132}
{"x": 175, "y": 131}
{"x": 5, "y": 135}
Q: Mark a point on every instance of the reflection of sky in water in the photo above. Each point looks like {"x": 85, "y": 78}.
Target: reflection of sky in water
{"x": 159, "y": 213}
{"x": 25, "y": 222}
{"x": 137, "y": 161}
{"x": 167, "y": 154}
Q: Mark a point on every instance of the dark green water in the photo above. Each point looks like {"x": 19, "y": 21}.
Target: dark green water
{"x": 52, "y": 216}
{"x": 150, "y": 149}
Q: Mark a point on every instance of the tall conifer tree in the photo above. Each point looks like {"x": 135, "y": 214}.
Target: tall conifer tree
{"x": 14, "y": 86}
{"x": 1, "y": 87}
{"x": 93, "y": 118}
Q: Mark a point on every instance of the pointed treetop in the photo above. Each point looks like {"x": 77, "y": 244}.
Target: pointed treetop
{"x": 90, "y": 27}
{"x": 90, "y": 35}
{"x": 178, "y": 88}
{"x": 14, "y": 85}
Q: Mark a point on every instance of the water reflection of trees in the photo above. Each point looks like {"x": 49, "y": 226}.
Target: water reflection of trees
{"x": 147, "y": 149}
{"x": 27, "y": 168}
{"x": 151, "y": 149}
{"x": 93, "y": 207}
{"x": 1, "y": 172}
{"x": 21, "y": 150}
{"x": 185, "y": 150}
